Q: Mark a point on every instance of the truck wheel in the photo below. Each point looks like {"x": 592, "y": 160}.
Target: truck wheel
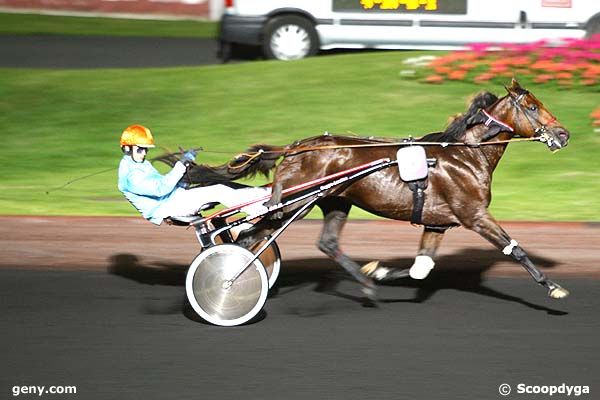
{"x": 290, "y": 37}
{"x": 593, "y": 26}
{"x": 225, "y": 51}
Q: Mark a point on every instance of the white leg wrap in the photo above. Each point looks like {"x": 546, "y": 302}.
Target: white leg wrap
{"x": 421, "y": 267}
{"x": 508, "y": 249}
{"x": 380, "y": 273}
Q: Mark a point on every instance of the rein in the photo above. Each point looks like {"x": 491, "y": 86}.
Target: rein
{"x": 390, "y": 144}
{"x": 541, "y": 130}
{"x": 252, "y": 156}
{"x": 406, "y": 143}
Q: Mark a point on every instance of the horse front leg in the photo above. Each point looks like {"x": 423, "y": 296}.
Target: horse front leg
{"x": 430, "y": 242}
{"x": 489, "y": 229}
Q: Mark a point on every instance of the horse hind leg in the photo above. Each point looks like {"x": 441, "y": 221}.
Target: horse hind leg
{"x": 430, "y": 242}
{"x": 335, "y": 211}
{"x": 276, "y": 197}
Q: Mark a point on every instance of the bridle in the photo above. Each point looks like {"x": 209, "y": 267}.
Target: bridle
{"x": 542, "y": 129}
{"x": 496, "y": 125}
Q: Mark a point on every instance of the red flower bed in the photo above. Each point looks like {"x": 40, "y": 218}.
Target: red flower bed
{"x": 595, "y": 116}
{"x": 571, "y": 62}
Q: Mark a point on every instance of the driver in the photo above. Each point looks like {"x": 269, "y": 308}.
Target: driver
{"x": 158, "y": 196}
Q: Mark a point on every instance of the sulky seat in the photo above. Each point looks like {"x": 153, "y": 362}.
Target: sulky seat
{"x": 186, "y": 221}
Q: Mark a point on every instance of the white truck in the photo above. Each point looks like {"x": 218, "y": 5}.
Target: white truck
{"x": 293, "y": 29}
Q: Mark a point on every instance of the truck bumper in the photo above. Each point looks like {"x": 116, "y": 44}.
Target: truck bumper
{"x": 242, "y": 30}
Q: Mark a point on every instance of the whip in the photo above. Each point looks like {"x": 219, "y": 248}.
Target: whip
{"x": 107, "y": 170}
{"x": 79, "y": 179}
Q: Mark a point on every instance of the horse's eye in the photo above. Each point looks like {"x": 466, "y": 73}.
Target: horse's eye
{"x": 533, "y": 107}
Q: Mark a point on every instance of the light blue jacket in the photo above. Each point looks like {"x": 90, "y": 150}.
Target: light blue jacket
{"x": 145, "y": 187}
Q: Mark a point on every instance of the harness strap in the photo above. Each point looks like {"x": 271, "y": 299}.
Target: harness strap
{"x": 374, "y": 165}
{"x": 437, "y": 228}
{"x": 418, "y": 189}
{"x": 494, "y": 127}
{"x": 491, "y": 119}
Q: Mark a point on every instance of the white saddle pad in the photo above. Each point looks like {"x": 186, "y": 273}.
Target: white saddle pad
{"x": 412, "y": 163}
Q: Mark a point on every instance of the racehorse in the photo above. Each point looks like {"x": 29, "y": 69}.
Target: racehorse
{"x": 458, "y": 192}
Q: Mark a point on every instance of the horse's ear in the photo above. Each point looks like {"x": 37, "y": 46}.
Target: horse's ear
{"x": 515, "y": 89}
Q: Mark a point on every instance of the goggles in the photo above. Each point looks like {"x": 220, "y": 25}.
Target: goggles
{"x": 140, "y": 150}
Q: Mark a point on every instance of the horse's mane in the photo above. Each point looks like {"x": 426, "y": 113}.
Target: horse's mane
{"x": 453, "y": 133}
{"x": 459, "y": 125}
{"x": 244, "y": 165}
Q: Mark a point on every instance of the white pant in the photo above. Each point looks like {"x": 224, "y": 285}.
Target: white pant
{"x": 186, "y": 203}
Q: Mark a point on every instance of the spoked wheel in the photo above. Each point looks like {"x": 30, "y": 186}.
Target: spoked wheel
{"x": 215, "y": 296}
{"x": 270, "y": 258}
{"x": 290, "y": 37}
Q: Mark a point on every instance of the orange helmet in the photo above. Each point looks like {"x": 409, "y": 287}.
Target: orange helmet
{"x": 137, "y": 135}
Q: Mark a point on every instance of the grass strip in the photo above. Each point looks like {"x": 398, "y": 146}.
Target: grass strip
{"x": 37, "y": 24}
{"x": 60, "y": 125}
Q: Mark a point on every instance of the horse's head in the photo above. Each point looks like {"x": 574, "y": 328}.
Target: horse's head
{"x": 532, "y": 119}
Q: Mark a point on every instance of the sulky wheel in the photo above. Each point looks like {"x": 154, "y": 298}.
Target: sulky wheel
{"x": 220, "y": 300}
{"x": 270, "y": 258}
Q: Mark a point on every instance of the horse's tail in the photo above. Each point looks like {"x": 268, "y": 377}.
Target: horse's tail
{"x": 258, "y": 159}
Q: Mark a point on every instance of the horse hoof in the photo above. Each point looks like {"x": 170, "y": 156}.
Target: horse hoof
{"x": 422, "y": 267}
{"x": 379, "y": 273}
{"x": 371, "y": 296}
{"x": 370, "y": 292}
{"x": 276, "y": 216}
{"x": 558, "y": 292}
{"x": 374, "y": 271}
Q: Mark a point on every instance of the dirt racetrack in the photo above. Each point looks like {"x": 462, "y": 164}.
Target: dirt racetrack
{"x": 113, "y": 243}
{"x": 98, "y": 304}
